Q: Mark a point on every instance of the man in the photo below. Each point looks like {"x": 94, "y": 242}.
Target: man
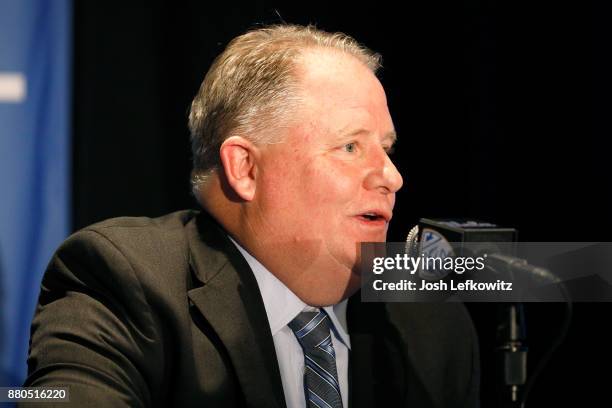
{"x": 291, "y": 134}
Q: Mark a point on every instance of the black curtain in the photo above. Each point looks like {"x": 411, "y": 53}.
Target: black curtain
{"x": 500, "y": 107}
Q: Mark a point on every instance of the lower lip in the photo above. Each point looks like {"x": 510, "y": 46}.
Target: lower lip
{"x": 377, "y": 223}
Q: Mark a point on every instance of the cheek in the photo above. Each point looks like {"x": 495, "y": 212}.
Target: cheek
{"x": 282, "y": 192}
{"x": 328, "y": 189}
{"x": 310, "y": 195}
{"x": 329, "y": 180}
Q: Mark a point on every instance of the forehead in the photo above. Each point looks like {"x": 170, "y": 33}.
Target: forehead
{"x": 333, "y": 75}
{"x": 341, "y": 93}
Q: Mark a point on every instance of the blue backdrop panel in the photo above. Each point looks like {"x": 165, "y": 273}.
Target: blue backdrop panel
{"x": 35, "y": 60}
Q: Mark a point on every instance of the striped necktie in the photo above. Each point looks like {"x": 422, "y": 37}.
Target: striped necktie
{"x": 321, "y": 386}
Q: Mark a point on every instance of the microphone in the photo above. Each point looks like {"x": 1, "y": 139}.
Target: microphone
{"x": 444, "y": 238}
{"x": 471, "y": 238}
{"x": 511, "y": 350}
{"x": 512, "y": 264}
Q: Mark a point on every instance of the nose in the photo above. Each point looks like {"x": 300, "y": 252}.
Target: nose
{"x": 383, "y": 176}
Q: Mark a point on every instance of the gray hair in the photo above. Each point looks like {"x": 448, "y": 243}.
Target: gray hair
{"x": 253, "y": 86}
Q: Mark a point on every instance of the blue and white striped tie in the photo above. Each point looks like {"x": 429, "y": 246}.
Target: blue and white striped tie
{"x": 321, "y": 386}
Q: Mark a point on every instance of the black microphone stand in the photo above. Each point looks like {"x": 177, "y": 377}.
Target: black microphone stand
{"x": 511, "y": 353}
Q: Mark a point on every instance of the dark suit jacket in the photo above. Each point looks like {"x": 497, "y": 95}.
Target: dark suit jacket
{"x": 166, "y": 312}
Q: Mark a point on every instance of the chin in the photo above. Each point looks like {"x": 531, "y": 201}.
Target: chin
{"x": 323, "y": 301}
{"x": 335, "y": 296}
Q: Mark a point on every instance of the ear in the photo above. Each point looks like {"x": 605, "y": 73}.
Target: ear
{"x": 238, "y": 160}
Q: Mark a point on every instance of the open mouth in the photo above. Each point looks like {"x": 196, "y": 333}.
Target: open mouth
{"x": 372, "y": 217}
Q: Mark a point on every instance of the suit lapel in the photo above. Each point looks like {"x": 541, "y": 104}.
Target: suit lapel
{"x": 364, "y": 326}
{"x": 382, "y": 369}
{"x": 230, "y": 301}
{"x": 361, "y": 381}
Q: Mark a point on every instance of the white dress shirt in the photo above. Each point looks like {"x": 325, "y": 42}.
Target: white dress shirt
{"x": 282, "y": 306}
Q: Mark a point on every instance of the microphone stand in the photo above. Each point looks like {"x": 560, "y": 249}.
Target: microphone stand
{"x": 511, "y": 353}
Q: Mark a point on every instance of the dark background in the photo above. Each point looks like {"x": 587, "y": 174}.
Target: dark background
{"x": 501, "y": 109}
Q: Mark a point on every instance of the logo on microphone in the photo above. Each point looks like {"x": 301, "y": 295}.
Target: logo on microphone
{"x": 434, "y": 245}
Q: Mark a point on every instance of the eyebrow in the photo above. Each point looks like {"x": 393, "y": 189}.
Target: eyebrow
{"x": 392, "y": 135}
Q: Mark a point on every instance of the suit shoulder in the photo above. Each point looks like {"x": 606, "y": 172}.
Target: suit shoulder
{"x": 170, "y": 221}
{"x": 135, "y": 230}
{"x": 144, "y": 243}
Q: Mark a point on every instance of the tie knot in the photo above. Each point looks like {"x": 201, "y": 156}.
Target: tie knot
{"x": 312, "y": 329}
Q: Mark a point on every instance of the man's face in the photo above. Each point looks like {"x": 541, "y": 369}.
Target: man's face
{"x": 329, "y": 184}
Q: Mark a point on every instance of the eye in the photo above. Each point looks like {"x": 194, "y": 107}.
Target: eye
{"x": 389, "y": 150}
{"x": 350, "y": 147}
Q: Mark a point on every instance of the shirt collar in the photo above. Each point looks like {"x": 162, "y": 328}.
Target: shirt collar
{"x": 282, "y": 305}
